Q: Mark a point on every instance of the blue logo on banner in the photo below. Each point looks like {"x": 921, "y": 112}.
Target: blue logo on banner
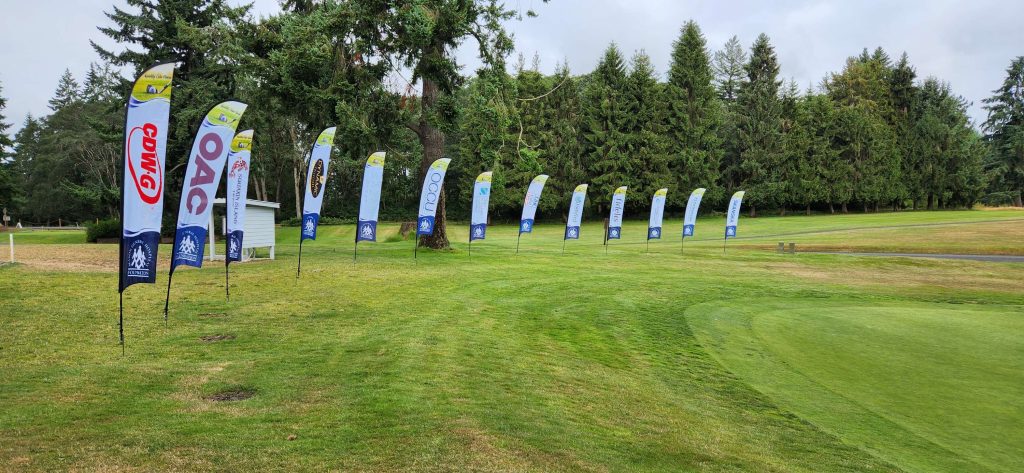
{"x": 526, "y": 226}
{"x": 614, "y": 233}
{"x": 425, "y": 226}
{"x": 235, "y": 246}
{"x": 190, "y": 243}
{"x": 139, "y": 258}
{"x": 367, "y": 231}
{"x": 478, "y": 231}
{"x": 730, "y": 231}
{"x": 309, "y": 224}
{"x": 654, "y": 233}
{"x": 687, "y": 230}
{"x": 572, "y": 233}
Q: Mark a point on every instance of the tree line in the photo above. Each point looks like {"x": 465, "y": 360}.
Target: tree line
{"x": 868, "y": 137}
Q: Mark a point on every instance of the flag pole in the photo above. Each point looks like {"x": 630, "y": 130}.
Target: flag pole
{"x": 167, "y": 300}
{"x": 682, "y": 244}
{"x": 563, "y": 244}
{"x": 355, "y": 247}
{"x": 518, "y": 237}
{"x": 227, "y": 282}
{"x": 298, "y": 270}
{"x": 416, "y": 245}
{"x": 120, "y": 318}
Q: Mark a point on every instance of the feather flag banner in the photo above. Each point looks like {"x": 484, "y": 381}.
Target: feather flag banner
{"x": 531, "y": 202}
{"x": 690, "y": 217}
{"x": 237, "y": 192}
{"x": 369, "y": 200}
{"x": 202, "y": 176}
{"x": 142, "y": 191}
{"x": 733, "y": 217}
{"x": 316, "y": 181}
{"x": 615, "y": 214}
{"x": 433, "y": 182}
{"x": 657, "y": 214}
{"x": 481, "y": 199}
{"x": 572, "y": 224}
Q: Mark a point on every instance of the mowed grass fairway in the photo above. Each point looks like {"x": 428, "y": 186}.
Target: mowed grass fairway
{"x": 625, "y": 361}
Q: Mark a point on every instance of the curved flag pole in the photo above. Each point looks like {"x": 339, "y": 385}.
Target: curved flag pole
{"x": 518, "y": 237}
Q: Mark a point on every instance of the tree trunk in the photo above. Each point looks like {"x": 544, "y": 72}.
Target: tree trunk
{"x": 931, "y": 201}
{"x": 809, "y": 209}
{"x": 1017, "y": 200}
{"x": 432, "y": 140}
{"x": 753, "y": 211}
{"x": 831, "y": 208}
{"x": 845, "y": 210}
{"x": 782, "y": 211}
{"x": 298, "y": 190}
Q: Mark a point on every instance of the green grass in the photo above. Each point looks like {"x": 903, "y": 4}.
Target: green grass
{"x": 45, "y": 237}
{"x": 928, "y": 387}
{"x": 540, "y": 362}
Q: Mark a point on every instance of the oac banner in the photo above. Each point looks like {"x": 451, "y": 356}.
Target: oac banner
{"x": 572, "y": 225}
{"x": 733, "y": 217}
{"x": 145, "y": 145}
{"x": 209, "y": 153}
{"x": 316, "y": 181}
{"x": 692, "y": 205}
{"x": 369, "y": 201}
{"x": 531, "y": 202}
{"x": 237, "y": 192}
{"x": 657, "y": 214}
{"x": 433, "y": 181}
{"x": 615, "y": 216}
{"x": 481, "y": 197}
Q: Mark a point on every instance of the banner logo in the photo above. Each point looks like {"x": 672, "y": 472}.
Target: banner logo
{"x": 148, "y": 177}
{"x": 366, "y": 232}
{"x": 317, "y": 178}
{"x": 139, "y": 256}
{"x": 188, "y": 249}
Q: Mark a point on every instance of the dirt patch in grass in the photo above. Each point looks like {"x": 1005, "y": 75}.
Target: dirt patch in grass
{"x": 68, "y": 257}
{"x": 213, "y": 314}
{"x": 232, "y": 394}
{"x": 952, "y": 275}
{"x": 217, "y": 338}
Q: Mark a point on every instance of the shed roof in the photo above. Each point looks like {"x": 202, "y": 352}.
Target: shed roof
{"x": 251, "y": 202}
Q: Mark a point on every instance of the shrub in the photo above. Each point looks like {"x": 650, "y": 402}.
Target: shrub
{"x": 110, "y": 228}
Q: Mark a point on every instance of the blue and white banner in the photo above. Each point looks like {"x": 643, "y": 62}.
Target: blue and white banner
{"x": 433, "y": 182}
{"x": 615, "y": 215}
{"x": 733, "y": 217}
{"x": 369, "y": 201}
{"x": 238, "y": 189}
{"x": 206, "y": 164}
{"x": 657, "y": 214}
{"x": 572, "y": 225}
{"x": 145, "y": 145}
{"x": 692, "y": 205}
{"x": 531, "y": 202}
{"x": 316, "y": 182}
{"x": 481, "y": 198}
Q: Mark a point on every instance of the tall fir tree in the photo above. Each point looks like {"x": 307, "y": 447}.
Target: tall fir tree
{"x": 604, "y": 128}
{"x": 645, "y": 133}
{"x": 693, "y": 117}
{"x": 729, "y": 72}
{"x": 1004, "y": 130}
{"x": 760, "y": 127}
{"x": 9, "y": 187}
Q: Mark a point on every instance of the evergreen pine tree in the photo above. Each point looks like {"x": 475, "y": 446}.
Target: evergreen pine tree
{"x": 604, "y": 128}
{"x": 760, "y": 127}
{"x": 1004, "y": 129}
{"x": 646, "y": 143}
{"x": 67, "y": 92}
{"x": 693, "y": 118}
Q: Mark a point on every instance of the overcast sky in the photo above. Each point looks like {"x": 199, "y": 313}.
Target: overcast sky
{"x": 967, "y": 43}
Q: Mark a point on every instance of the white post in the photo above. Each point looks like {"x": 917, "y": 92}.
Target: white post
{"x": 12, "y": 247}
{"x": 212, "y": 250}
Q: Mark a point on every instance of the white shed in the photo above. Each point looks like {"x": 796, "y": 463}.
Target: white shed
{"x": 258, "y": 226}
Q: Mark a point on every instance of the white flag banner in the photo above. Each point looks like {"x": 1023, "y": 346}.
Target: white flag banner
{"x": 657, "y": 214}
{"x": 733, "y": 217}
{"x": 205, "y": 166}
{"x": 531, "y": 202}
{"x": 316, "y": 181}
{"x": 481, "y": 199}
{"x": 369, "y": 201}
{"x": 615, "y": 214}
{"x": 572, "y": 225}
{"x": 142, "y": 192}
{"x": 433, "y": 183}
{"x": 690, "y": 217}
{"x": 238, "y": 188}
